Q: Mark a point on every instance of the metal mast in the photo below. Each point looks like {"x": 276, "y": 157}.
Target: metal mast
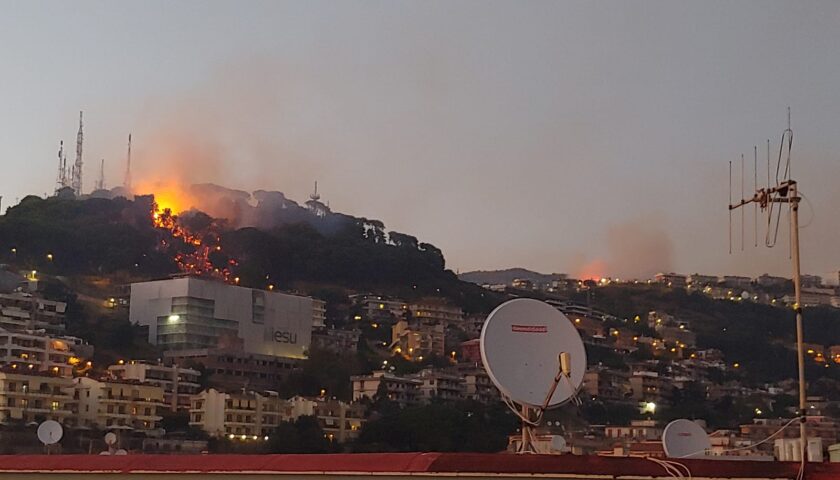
{"x": 77, "y": 166}
{"x": 127, "y": 180}
{"x": 61, "y": 179}
{"x": 786, "y": 191}
{"x": 100, "y": 184}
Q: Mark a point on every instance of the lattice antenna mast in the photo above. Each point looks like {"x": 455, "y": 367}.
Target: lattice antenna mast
{"x": 77, "y": 166}
{"x": 61, "y": 178}
{"x": 127, "y": 180}
{"x": 770, "y": 199}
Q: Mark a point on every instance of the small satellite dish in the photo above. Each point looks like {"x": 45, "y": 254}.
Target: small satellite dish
{"x": 50, "y": 432}
{"x": 121, "y": 452}
{"x": 685, "y": 439}
{"x": 110, "y": 438}
{"x": 558, "y": 443}
{"x": 522, "y": 342}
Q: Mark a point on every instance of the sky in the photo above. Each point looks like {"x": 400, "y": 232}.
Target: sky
{"x": 579, "y": 137}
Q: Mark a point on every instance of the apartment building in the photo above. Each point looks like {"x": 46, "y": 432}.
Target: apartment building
{"x": 28, "y": 397}
{"x": 439, "y": 384}
{"x": 436, "y": 311}
{"x": 178, "y": 383}
{"x": 246, "y": 415}
{"x": 418, "y": 338}
{"x": 232, "y": 368}
{"x": 119, "y": 404}
{"x": 55, "y": 355}
{"x": 341, "y": 421}
{"x": 404, "y": 391}
{"x": 24, "y": 311}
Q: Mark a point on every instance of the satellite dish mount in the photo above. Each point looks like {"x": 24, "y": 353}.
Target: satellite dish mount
{"x": 535, "y": 357}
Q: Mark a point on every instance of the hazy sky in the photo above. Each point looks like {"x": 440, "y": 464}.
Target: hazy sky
{"x": 548, "y": 135}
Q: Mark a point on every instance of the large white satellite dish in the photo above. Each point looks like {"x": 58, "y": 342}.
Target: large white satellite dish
{"x": 522, "y": 342}
{"x": 50, "y": 432}
{"x": 685, "y": 439}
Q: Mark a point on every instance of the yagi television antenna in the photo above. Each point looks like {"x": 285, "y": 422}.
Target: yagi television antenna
{"x": 781, "y": 189}
{"x": 685, "y": 439}
{"x": 535, "y": 357}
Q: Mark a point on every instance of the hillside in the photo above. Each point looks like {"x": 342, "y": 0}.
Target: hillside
{"x": 122, "y": 238}
{"x": 506, "y": 276}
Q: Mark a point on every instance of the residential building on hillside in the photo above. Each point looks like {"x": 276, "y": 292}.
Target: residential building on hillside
{"x": 418, "y": 338}
{"x": 697, "y": 280}
{"x": 32, "y": 397}
{"x": 811, "y": 281}
{"x": 649, "y": 387}
{"x": 178, "y": 383}
{"x": 736, "y": 281}
{"x": 674, "y": 280}
{"x": 246, "y": 415}
{"x": 189, "y": 313}
{"x": 319, "y": 313}
{"x": 119, "y": 404}
{"x": 402, "y": 390}
{"x": 606, "y": 384}
{"x": 470, "y": 351}
{"x": 477, "y": 384}
{"x": 377, "y": 306}
{"x": 24, "y": 311}
{"x": 336, "y": 340}
{"x": 55, "y": 355}
{"x": 439, "y": 384}
{"x": 437, "y": 311}
{"x": 231, "y": 368}
{"x": 341, "y": 421}
{"x": 766, "y": 281}
{"x": 638, "y": 430}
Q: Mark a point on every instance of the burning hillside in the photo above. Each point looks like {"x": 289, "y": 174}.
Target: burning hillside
{"x": 197, "y": 248}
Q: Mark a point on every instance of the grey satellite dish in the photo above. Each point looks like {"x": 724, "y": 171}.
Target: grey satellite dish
{"x": 522, "y": 344}
{"x": 121, "y": 452}
{"x": 558, "y": 443}
{"x": 685, "y": 439}
{"x": 110, "y": 438}
{"x": 50, "y": 432}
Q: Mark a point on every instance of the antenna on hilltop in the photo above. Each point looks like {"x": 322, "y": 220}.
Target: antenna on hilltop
{"x": 61, "y": 179}
{"x": 77, "y": 166}
{"x": 100, "y": 184}
{"x": 770, "y": 199}
{"x": 127, "y": 180}
{"x": 314, "y": 196}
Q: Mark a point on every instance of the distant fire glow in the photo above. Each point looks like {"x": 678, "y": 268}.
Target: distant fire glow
{"x": 595, "y": 270}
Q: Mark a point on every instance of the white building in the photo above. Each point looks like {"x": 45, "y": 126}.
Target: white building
{"x": 178, "y": 383}
{"x": 44, "y": 353}
{"x": 192, "y": 313}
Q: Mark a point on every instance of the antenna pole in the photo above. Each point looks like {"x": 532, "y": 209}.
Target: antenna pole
{"x": 797, "y": 286}
{"x": 786, "y": 191}
{"x": 526, "y": 432}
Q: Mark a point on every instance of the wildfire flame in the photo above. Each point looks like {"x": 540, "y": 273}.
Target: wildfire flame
{"x": 195, "y": 258}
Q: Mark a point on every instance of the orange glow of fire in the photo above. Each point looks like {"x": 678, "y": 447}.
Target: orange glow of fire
{"x": 594, "y": 270}
{"x": 169, "y": 194}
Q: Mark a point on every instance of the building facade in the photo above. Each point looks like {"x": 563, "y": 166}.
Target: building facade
{"x": 178, "y": 383}
{"x": 24, "y": 311}
{"x": 28, "y": 397}
{"x": 246, "y": 415}
{"x": 231, "y": 369}
{"x": 55, "y": 355}
{"x": 119, "y": 404}
{"x": 190, "y": 313}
